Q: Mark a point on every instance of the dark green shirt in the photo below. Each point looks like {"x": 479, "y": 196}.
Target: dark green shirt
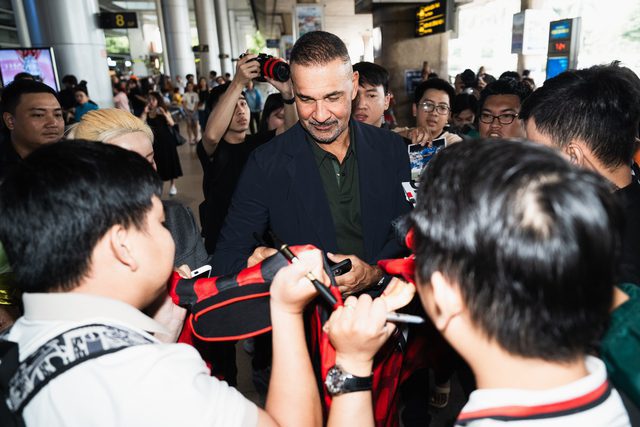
{"x": 342, "y": 187}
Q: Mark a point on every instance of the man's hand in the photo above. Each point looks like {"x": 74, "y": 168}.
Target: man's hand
{"x": 291, "y": 291}
{"x": 420, "y": 135}
{"x": 361, "y": 275}
{"x": 246, "y": 69}
{"x": 285, "y": 88}
{"x": 260, "y": 254}
{"x": 357, "y": 331}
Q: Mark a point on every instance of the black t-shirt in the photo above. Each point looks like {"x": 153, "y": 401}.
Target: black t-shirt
{"x": 221, "y": 174}
{"x": 8, "y": 155}
{"x": 629, "y": 269}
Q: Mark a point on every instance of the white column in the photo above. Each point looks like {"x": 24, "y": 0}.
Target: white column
{"x": 139, "y": 51}
{"x": 70, "y": 27}
{"x": 178, "y": 36}
{"x": 222, "y": 21}
{"x": 208, "y": 35}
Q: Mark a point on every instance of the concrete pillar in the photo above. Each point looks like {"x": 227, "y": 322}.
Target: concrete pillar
{"x": 21, "y": 23}
{"x": 139, "y": 51}
{"x": 71, "y": 28}
{"x": 224, "y": 37}
{"x": 208, "y": 35}
{"x": 401, "y": 51}
{"x": 166, "y": 68}
{"x": 178, "y": 36}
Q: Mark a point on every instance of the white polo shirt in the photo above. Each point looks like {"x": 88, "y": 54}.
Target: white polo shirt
{"x": 144, "y": 385}
{"x": 590, "y": 401}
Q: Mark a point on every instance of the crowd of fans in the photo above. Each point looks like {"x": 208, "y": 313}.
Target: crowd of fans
{"x": 517, "y": 237}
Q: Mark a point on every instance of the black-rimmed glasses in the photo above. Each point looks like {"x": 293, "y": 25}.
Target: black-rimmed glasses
{"x": 429, "y": 107}
{"x": 503, "y": 119}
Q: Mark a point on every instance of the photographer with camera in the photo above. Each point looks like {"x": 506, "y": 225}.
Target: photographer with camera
{"x": 223, "y": 151}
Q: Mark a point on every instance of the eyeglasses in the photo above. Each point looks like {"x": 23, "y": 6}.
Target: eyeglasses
{"x": 429, "y": 107}
{"x": 503, "y": 119}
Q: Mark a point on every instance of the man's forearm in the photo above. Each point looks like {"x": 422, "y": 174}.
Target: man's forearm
{"x": 293, "y": 397}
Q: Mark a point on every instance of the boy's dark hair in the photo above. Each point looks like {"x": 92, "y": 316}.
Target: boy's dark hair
{"x": 512, "y": 75}
{"x": 14, "y": 90}
{"x": 437, "y": 84}
{"x": 464, "y": 101}
{"x": 215, "y": 94}
{"x": 468, "y": 78}
{"x": 71, "y": 79}
{"x": 530, "y": 241}
{"x": 597, "y": 105}
{"x": 61, "y": 200}
{"x": 504, "y": 87}
{"x": 372, "y": 74}
{"x": 318, "y": 48}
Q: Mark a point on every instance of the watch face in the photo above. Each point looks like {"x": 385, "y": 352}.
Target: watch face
{"x": 334, "y": 381}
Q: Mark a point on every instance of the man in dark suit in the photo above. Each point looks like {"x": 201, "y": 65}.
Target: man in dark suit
{"x": 328, "y": 181}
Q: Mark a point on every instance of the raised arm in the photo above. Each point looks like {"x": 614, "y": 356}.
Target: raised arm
{"x": 222, "y": 113}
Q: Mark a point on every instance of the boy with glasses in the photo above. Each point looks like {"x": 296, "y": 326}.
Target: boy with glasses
{"x": 499, "y": 108}
{"x": 432, "y": 110}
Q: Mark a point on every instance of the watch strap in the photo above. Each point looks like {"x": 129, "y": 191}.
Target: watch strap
{"x": 289, "y": 101}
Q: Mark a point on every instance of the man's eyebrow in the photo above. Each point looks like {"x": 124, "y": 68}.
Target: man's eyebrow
{"x": 44, "y": 108}
{"x": 328, "y": 95}
{"x": 504, "y": 110}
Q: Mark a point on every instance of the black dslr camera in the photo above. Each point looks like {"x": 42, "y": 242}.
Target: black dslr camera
{"x": 274, "y": 68}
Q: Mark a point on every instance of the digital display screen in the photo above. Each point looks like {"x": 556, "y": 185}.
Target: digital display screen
{"x": 560, "y": 30}
{"x": 38, "y": 62}
{"x": 556, "y": 65}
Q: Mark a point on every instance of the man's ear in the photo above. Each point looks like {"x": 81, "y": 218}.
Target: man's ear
{"x": 8, "y": 120}
{"x": 575, "y": 153}
{"x": 120, "y": 240}
{"x": 355, "y": 80}
{"x": 387, "y": 101}
{"x": 447, "y": 299}
{"x": 414, "y": 109}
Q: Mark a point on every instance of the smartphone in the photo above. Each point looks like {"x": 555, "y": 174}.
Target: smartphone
{"x": 339, "y": 268}
{"x": 201, "y": 270}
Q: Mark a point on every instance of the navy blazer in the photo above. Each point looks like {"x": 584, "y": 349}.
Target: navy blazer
{"x": 281, "y": 189}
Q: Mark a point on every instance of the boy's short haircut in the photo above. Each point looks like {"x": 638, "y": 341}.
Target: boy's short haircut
{"x": 530, "y": 241}
{"x": 61, "y": 200}
{"x": 504, "y": 87}
{"x": 318, "y": 48}
{"x": 597, "y": 105}
{"x": 216, "y": 93}
{"x": 14, "y": 90}
{"x": 437, "y": 84}
{"x": 372, "y": 74}
{"x": 464, "y": 101}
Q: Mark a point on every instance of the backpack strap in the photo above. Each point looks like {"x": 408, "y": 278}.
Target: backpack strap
{"x": 57, "y": 356}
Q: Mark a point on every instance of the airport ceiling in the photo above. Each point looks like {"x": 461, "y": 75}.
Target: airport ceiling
{"x": 273, "y": 16}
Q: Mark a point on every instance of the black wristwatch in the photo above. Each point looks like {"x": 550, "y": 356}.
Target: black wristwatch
{"x": 338, "y": 382}
{"x": 289, "y": 101}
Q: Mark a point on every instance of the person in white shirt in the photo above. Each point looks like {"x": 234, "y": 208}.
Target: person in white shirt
{"x": 89, "y": 250}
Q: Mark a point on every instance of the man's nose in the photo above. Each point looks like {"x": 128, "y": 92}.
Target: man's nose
{"x": 321, "y": 113}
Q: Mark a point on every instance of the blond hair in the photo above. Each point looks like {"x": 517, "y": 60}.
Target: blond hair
{"x": 108, "y": 123}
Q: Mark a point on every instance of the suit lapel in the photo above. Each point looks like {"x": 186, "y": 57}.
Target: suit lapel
{"x": 309, "y": 191}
